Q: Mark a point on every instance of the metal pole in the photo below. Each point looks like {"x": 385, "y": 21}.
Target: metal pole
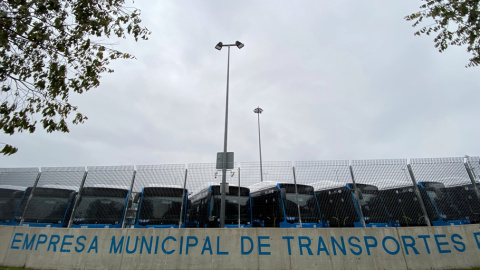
{"x": 357, "y": 197}
{"x": 77, "y": 199}
{"x": 417, "y": 192}
{"x": 239, "y": 197}
{"x": 183, "y": 200}
{"x": 471, "y": 175}
{"x": 130, "y": 196}
{"x": 296, "y": 197}
{"x": 258, "y": 111}
{"x": 30, "y": 198}
{"x": 224, "y": 170}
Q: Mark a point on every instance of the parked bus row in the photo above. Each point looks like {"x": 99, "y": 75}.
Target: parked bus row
{"x": 266, "y": 204}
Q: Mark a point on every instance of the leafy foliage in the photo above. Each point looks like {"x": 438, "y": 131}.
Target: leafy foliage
{"x": 50, "y": 49}
{"x": 456, "y": 22}
{"x": 8, "y": 150}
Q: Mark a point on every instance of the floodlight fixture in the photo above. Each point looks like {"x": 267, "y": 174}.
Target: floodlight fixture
{"x": 239, "y": 44}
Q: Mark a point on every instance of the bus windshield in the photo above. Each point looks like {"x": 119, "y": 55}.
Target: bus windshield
{"x": 46, "y": 206}
{"x": 156, "y": 210}
{"x": 101, "y": 206}
{"x": 100, "y": 210}
{"x": 231, "y": 208}
{"x": 373, "y": 208}
{"x": 9, "y": 200}
{"x": 308, "y": 207}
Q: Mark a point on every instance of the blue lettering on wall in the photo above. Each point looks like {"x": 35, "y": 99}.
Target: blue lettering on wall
{"x": 28, "y": 245}
{"x": 78, "y": 250}
{"x": 460, "y": 243}
{"x": 322, "y": 246}
{"x": 42, "y": 239}
{"x": 355, "y": 245}
{"x": 425, "y": 237}
{"x": 65, "y": 243}
{"x": 242, "y": 245}
{"x": 218, "y": 248}
{"x": 15, "y": 240}
{"x": 477, "y": 235}
{"x": 439, "y": 244}
{"x": 396, "y": 243}
{"x": 304, "y": 245}
{"x": 188, "y": 245}
{"x": 288, "y": 243}
{"x": 341, "y": 247}
{"x": 114, "y": 247}
{"x": 130, "y": 251}
{"x": 369, "y": 245}
{"x": 93, "y": 245}
{"x": 207, "y": 245}
{"x": 148, "y": 247}
{"x": 411, "y": 244}
{"x": 54, "y": 239}
{"x": 163, "y": 245}
{"x": 261, "y": 245}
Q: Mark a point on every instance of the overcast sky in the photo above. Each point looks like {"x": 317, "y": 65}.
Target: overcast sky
{"x": 337, "y": 80}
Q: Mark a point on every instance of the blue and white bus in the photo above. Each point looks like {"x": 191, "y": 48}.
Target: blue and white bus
{"x": 404, "y": 207}
{"x": 340, "y": 206}
{"x": 101, "y": 207}
{"x": 205, "y": 207}
{"x": 162, "y": 207}
{"x": 50, "y": 206}
{"x": 455, "y": 205}
{"x": 10, "y": 197}
{"x": 275, "y": 205}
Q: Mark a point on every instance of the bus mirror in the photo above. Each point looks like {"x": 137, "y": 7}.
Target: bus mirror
{"x": 209, "y": 195}
{"x": 283, "y": 192}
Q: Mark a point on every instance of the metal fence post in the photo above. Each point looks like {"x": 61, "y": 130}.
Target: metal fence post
{"x": 131, "y": 193}
{"x": 417, "y": 192}
{"x": 77, "y": 199}
{"x": 30, "y": 197}
{"x": 183, "y": 199}
{"x": 296, "y": 196}
{"x": 357, "y": 197}
{"x": 239, "y": 220}
{"x": 471, "y": 175}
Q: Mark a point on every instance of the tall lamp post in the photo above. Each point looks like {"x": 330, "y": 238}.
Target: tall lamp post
{"x": 219, "y": 46}
{"x": 258, "y": 111}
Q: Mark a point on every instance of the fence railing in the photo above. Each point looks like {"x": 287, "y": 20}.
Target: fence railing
{"x": 362, "y": 193}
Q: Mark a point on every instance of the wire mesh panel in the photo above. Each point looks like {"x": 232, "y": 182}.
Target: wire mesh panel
{"x": 22, "y": 177}
{"x": 13, "y": 182}
{"x": 273, "y": 171}
{"x": 474, "y": 164}
{"x": 103, "y": 198}
{"x": 161, "y": 196}
{"x": 203, "y": 175}
{"x": 203, "y": 183}
{"x": 52, "y": 200}
{"x": 449, "y": 187}
{"x": 329, "y": 179}
{"x": 396, "y": 193}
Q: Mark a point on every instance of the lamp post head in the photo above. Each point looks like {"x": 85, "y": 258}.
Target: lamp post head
{"x": 219, "y": 46}
{"x": 239, "y": 44}
{"x": 258, "y": 110}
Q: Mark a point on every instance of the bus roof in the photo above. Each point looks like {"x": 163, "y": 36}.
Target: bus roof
{"x": 324, "y": 185}
{"x": 270, "y": 184}
{"x": 12, "y": 187}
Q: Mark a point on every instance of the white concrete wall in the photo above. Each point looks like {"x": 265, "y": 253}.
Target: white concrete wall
{"x": 255, "y": 248}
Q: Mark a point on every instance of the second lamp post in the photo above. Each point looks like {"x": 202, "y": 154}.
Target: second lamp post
{"x": 219, "y": 46}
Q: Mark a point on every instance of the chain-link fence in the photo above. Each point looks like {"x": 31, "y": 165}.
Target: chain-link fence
{"x": 358, "y": 193}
